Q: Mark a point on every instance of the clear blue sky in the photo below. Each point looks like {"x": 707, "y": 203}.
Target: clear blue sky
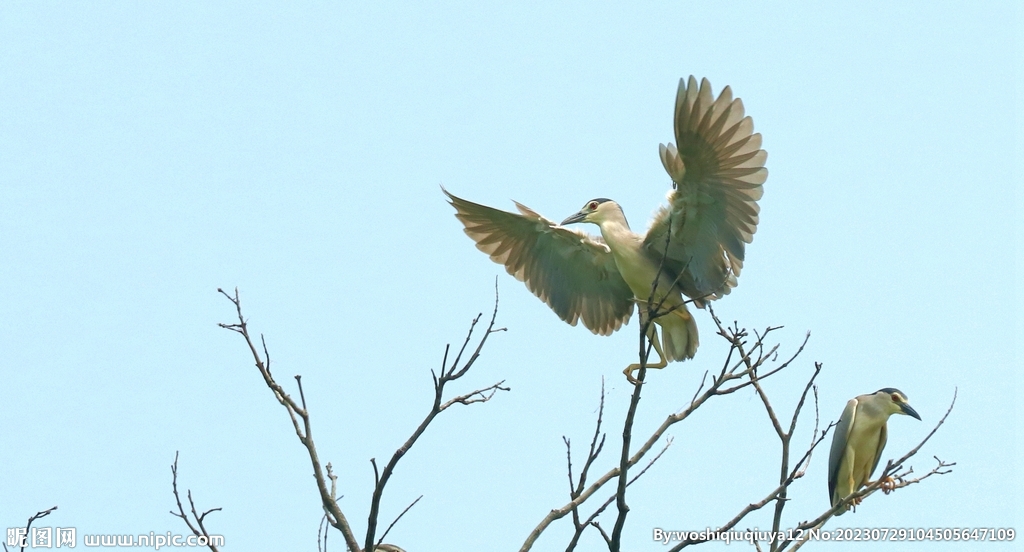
{"x": 152, "y": 152}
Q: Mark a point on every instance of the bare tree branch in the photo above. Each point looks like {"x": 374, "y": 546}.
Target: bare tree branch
{"x": 199, "y": 529}
{"x": 593, "y": 517}
{"x": 575, "y": 488}
{"x": 449, "y": 373}
{"x": 798, "y": 472}
{"x": 627, "y": 435}
{"x": 300, "y": 418}
{"x": 38, "y": 515}
{"x": 741, "y": 363}
{"x": 750, "y": 361}
{"x": 303, "y": 430}
{"x": 480, "y": 395}
{"x": 388, "y": 530}
{"x": 785, "y": 437}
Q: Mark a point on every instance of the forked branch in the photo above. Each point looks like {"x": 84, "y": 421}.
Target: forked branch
{"x": 298, "y": 413}
{"x": 300, "y": 421}
{"x": 20, "y": 536}
{"x": 199, "y": 528}
{"x": 743, "y": 361}
{"x": 449, "y": 373}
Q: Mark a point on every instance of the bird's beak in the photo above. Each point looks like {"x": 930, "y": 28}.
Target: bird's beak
{"x": 578, "y": 217}
{"x": 909, "y": 411}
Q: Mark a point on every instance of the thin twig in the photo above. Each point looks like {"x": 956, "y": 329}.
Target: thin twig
{"x": 608, "y": 502}
{"x": 448, "y": 374}
{"x": 301, "y": 423}
{"x": 199, "y": 531}
{"x": 731, "y": 373}
{"x": 303, "y": 429}
{"x": 769, "y": 498}
{"x": 576, "y": 488}
{"x": 388, "y": 530}
{"x": 24, "y": 538}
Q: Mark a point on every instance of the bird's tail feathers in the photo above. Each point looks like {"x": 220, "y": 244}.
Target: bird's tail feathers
{"x": 679, "y": 335}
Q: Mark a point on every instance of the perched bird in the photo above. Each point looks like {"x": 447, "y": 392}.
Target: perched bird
{"x": 859, "y": 439}
{"x": 694, "y": 247}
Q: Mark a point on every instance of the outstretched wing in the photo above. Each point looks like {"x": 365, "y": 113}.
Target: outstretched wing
{"x": 571, "y": 271}
{"x": 717, "y": 169}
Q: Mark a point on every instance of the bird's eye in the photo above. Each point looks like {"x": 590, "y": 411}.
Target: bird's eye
{"x": 896, "y": 398}
{"x": 593, "y": 206}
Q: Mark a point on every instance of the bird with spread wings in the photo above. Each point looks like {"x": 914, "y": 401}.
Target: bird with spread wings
{"x": 693, "y": 248}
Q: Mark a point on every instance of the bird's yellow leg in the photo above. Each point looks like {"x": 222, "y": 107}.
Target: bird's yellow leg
{"x": 652, "y": 333}
{"x": 852, "y": 504}
{"x": 888, "y": 485}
